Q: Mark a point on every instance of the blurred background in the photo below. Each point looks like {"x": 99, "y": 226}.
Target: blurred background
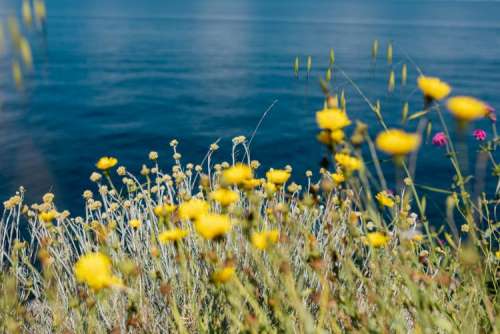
{"x": 123, "y": 77}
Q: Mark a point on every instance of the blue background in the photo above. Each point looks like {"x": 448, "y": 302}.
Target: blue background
{"x": 125, "y": 77}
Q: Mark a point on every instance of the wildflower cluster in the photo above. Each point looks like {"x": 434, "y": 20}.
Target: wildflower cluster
{"x": 229, "y": 247}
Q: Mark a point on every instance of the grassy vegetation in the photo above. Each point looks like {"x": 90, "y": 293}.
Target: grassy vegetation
{"x": 226, "y": 247}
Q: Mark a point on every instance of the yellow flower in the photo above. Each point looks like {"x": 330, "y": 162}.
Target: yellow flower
{"x": 347, "y": 162}
{"x": 338, "y": 177}
{"x": 224, "y": 275}
{"x": 263, "y": 240}
{"x": 397, "y": 142}
{"x": 277, "y": 176}
{"x": 332, "y": 119}
{"x": 251, "y": 183}
{"x": 94, "y": 269}
{"x": 384, "y": 199}
{"x": 211, "y": 226}
{"x": 225, "y": 197}
{"x": 106, "y": 163}
{"x": 466, "y": 108}
{"x": 237, "y": 174}
{"x": 164, "y": 209}
{"x": 417, "y": 237}
{"x": 48, "y": 216}
{"x": 337, "y": 136}
{"x": 270, "y": 187}
{"x": 433, "y": 88}
{"x": 135, "y": 223}
{"x": 497, "y": 255}
{"x": 377, "y": 239}
{"x": 192, "y": 209}
{"x": 324, "y": 137}
{"x": 175, "y": 234}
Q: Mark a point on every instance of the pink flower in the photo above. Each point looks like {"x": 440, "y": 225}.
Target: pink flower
{"x": 439, "y": 139}
{"x": 479, "y": 134}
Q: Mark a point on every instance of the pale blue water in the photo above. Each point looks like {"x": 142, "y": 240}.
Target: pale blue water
{"x": 125, "y": 77}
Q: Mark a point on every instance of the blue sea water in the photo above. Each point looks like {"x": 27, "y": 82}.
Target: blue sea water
{"x": 125, "y": 77}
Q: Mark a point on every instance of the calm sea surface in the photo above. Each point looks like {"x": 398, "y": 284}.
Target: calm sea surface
{"x": 125, "y": 77}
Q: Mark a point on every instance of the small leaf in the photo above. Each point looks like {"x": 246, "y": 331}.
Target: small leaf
{"x": 309, "y": 64}
{"x": 332, "y": 57}
{"x": 17, "y": 74}
{"x": 392, "y": 82}
{"x": 324, "y": 86}
{"x": 404, "y": 75}
{"x": 389, "y": 53}
{"x": 428, "y": 131}
{"x": 406, "y": 109}
{"x": 375, "y": 49}
{"x": 418, "y": 114}
{"x": 296, "y": 66}
{"x": 328, "y": 75}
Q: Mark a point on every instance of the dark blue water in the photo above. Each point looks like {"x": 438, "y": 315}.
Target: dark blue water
{"x": 125, "y": 77}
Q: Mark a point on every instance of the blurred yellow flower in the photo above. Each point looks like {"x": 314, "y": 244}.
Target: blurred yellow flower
{"x": 324, "y": 137}
{"x": 377, "y": 239}
{"x": 135, "y": 223}
{"x": 94, "y": 269}
{"x": 175, "y": 234}
{"x": 251, "y": 183}
{"x": 338, "y": 177}
{"x": 163, "y": 210}
{"x": 270, "y": 187}
{"x": 224, "y": 196}
{"x": 497, "y": 255}
{"x": 193, "y": 208}
{"x": 466, "y": 108}
{"x": 106, "y": 163}
{"x": 397, "y": 142}
{"x": 263, "y": 240}
{"x": 337, "y": 136}
{"x": 237, "y": 174}
{"x": 277, "y": 176}
{"x": 224, "y": 275}
{"x": 332, "y": 119}
{"x": 211, "y": 225}
{"x": 48, "y": 216}
{"x": 347, "y": 162}
{"x": 433, "y": 88}
{"x": 384, "y": 199}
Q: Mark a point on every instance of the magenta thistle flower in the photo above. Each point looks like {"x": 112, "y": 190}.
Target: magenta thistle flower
{"x": 439, "y": 139}
{"x": 479, "y": 134}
